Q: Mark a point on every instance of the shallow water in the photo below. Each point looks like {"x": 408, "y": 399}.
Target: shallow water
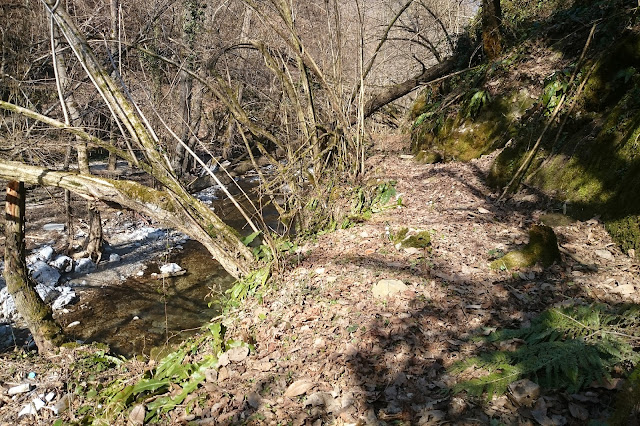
{"x": 168, "y": 310}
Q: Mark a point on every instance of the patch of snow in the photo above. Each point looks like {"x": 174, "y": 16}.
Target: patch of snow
{"x": 62, "y": 263}
{"x": 54, "y": 227}
{"x": 114, "y": 257}
{"x": 144, "y": 233}
{"x": 85, "y": 265}
{"x": 65, "y": 297}
{"x": 43, "y": 253}
{"x": 170, "y": 268}
{"x": 44, "y": 274}
{"x": 210, "y": 194}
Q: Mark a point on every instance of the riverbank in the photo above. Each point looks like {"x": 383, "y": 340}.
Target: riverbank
{"x": 328, "y": 349}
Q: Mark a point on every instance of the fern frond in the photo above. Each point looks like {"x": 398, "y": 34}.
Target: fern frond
{"x": 565, "y": 348}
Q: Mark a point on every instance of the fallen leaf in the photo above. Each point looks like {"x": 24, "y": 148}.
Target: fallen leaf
{"x": 578, "y": 411}
{"x": 524, "y": 392}
{"x": 238, "y": 354}
{"x": 624, "y": 290}
{"x": 539, "y": 413}
{"x": 297, "y": 388}
{"x": 136, "y": 417}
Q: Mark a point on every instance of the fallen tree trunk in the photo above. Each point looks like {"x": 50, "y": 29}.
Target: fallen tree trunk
{"x": 397, "y": 91}
{"x": 186, "y": 214}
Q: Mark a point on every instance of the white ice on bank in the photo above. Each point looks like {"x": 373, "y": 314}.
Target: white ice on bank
{"x": 170, "y": 268}
{"x": 209, "y": 195}
{"x": 46, "y": 278}
{"x": 144, "y": 233}
{"x": 62, "y": 263}
{"x": 44, "y": 253}
{"x": 85, "y": 266}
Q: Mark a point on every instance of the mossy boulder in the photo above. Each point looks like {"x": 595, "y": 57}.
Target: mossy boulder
{"x": 542, "y": 248}
{"x": 481, "y": 125}
{"x": 412, "y": 239}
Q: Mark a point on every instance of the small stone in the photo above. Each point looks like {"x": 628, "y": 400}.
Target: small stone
{"x": 136, "y": 318}
{"x": 524, "y": 392}
{"x": 114, "y": 257}
{"x": 387, "y": 288}
{"x": 73, "y": 324}
{"x": 605, "y": 254}
{"x": 25, "y": 387}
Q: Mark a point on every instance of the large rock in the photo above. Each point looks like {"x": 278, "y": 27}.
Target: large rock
{"x": 542, "y": 248}
{"x": 384, "y": 289}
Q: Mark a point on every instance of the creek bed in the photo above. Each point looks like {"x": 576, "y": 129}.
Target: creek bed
{"x": 143, "y": 312}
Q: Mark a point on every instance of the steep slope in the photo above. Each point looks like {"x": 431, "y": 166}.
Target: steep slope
{"x": 587, "y": 160}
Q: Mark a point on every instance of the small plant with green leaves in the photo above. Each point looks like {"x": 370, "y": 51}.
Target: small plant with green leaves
{"x": 566, "y": 348}
{"x": 555, "y": 86}
{"x": 173, "y": 369}
{"x": 479, "y": 100}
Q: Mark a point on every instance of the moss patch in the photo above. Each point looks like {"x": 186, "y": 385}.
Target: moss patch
{"x": 542, "y": 248}
{"x": 479, "y": 126}
{"x": 411, "y": 238}
{"x": 593, "y": 164}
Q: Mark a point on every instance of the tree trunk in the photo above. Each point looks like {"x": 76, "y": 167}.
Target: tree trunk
{"x": 397, "y": 91}
{"x": 94, "y": 242}
{"x": 491, "y": 31}
{"x": 185, "y": 214}
{"x": 46, "y": 332}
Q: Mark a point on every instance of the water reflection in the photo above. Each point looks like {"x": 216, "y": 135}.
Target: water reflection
{"x": 143, "y": 312}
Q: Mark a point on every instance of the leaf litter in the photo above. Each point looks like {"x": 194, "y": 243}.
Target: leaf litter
{"x": 324, "y": 350}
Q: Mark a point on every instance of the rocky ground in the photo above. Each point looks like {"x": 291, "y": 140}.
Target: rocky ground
{"x": 334, "y": 345}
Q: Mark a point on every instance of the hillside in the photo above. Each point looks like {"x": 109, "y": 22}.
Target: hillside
{"x": 434, "y": 296}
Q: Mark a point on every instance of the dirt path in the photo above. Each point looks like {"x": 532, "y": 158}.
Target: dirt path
{"x": 379, "y": 361}
{"x": 328, "y": 352}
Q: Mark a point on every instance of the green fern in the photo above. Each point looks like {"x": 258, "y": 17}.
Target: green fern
{"x": 563, "y": 348}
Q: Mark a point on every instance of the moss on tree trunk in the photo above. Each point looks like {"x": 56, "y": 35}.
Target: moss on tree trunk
{"x": 46, "y": 332}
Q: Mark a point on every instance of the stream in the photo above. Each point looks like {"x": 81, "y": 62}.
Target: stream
{"x": 142, "y": 312}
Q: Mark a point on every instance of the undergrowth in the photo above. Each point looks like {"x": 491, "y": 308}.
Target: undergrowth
{"x": 155, "y": 392}
{"x": 563, "y": 348}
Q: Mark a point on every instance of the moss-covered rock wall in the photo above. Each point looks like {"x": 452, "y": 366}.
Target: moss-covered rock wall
{"x": 589, "y": 159}
{"x": 593, "y": 162}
